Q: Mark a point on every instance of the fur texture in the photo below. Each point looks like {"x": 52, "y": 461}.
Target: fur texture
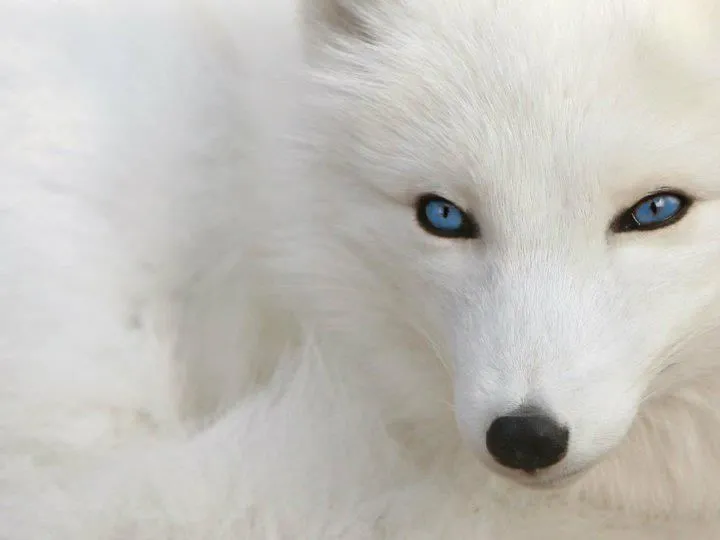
{"x": 220, "y": 319}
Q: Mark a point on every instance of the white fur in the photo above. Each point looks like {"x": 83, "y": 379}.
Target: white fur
{"x": 220, "y": 319}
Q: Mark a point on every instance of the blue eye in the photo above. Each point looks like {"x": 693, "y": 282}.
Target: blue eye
{"x": 441, "y": 217}
{"x": 653, "y": 212}
{"x": 657, "y": 209}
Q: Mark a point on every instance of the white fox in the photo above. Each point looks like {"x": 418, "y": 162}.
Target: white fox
{"x": 441, "y": 269}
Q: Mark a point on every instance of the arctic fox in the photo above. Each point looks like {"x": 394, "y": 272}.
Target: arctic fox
{"x": 359, "y": 269}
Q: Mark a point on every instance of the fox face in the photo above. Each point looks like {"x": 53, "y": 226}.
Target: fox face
{"x": 536, "y": 191}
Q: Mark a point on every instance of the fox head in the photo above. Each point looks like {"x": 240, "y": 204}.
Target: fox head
{"x": 534, "y": 190}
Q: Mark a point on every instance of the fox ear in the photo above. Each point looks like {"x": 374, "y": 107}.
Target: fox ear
{"x": 326, "y": 18}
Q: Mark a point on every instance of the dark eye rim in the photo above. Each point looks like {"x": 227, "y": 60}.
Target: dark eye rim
{"x": 625, "y": 222}
{"x": 469, "y": 228}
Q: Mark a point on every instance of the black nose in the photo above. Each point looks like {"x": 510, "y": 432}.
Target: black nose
{"x": 527, "y": 441}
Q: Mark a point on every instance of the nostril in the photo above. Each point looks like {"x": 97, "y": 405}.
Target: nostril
{"x": 527, "y": 441}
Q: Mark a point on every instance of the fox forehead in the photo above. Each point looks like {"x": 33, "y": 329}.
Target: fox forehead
{"x": 489, "y": 100}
